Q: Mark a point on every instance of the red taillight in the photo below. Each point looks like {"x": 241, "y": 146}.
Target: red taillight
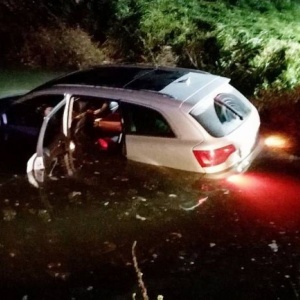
{"x": 103, "y": 143}
{"x": 209, "y": 158}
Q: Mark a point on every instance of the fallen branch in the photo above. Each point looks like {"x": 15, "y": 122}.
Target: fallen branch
{"x": 139, "y": 273}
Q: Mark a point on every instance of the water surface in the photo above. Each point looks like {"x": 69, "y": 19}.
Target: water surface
{"x": 19, "y": 81}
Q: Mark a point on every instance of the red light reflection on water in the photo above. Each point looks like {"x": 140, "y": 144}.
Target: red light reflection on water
{"x": 273, "y": 195}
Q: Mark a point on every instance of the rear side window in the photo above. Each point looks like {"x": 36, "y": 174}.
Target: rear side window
{"x": 31, "y": 112}
{"x": 144, "y": 121}
{"x": 223, "y": 115}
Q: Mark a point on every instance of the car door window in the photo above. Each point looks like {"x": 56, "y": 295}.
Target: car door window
{"x": 144, "y": 121}
{"x": 31, "y": 112}
{"x": 53, "y": 131}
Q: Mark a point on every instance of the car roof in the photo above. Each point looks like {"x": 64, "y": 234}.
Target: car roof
{"x": 183, "y": 85}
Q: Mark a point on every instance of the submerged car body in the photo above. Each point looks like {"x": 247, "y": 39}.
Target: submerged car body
{"x": 173, "y": 117}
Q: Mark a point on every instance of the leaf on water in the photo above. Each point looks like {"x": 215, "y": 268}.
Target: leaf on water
{"x": 172, "y": 196}
{"x": 140, "y": 217}
{"x": 177, "y": 235}
{"x": 74, "y": 194}
{"x": 273, "y": 246}
{"x": 12, "y": 254}
{"x": 141, "y": 198}
{"x": 225, "y": 191}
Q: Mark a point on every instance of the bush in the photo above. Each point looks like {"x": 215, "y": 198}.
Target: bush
{"x": 257, "y": 62}
{"x": 233, "y": 38}
{"x": 263, "y": 6}
{"x": 124, "y": 38}
{"x": 236, "y": 60}
{"x": 183, "y": 27}
{"x": 54, "y": 48}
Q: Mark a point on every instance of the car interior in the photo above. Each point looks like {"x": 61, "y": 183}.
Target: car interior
{"x": 96, "y": 123}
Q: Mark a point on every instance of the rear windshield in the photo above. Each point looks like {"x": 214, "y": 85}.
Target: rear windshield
{"x": 223, "y": 115}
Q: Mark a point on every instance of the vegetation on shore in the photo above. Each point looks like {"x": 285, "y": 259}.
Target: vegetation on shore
{"x": 256, "y": 43}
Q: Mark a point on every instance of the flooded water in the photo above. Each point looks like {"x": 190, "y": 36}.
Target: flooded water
{"x": 19, "y": 81}
{"x": 90, "y": 234}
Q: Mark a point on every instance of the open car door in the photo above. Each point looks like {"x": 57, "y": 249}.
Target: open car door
{"x": 53, "y": 138}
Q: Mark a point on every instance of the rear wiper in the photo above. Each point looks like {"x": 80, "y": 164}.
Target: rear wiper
{"x": 229, "y": 108}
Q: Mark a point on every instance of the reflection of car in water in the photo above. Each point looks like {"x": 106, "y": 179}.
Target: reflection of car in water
{"x": 178, "y": 118}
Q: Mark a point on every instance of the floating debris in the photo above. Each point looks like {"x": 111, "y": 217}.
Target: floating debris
{"x": 177, "y": 235}
{"x": 74, "y": 194}
{"x": 121, "y": 178}
{"x": 140, "y": 217}
{"x": 53, "y": 265}
{"x": 108, "y": 247}
{"x": 44, "y": 215}
{"x": 12, "y": 254}
{"x": 54, "y": 270}
{"x": 273, "y": 246}
{"x": 211, "y": 245}
{"x": 9, "y": 214}
{"x": 141, "y": 198}
{"x": 200, "y": 201}
{"x": 172, "y": 196}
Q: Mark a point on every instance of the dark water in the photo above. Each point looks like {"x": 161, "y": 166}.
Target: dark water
{"x": 72, "y": 238}
{"x": 85, "y": 236}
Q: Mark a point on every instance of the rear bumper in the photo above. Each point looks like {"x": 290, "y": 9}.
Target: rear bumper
{"x": 243, "y": 165}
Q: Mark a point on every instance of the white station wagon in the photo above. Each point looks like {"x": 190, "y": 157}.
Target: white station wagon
{"x": 173, "y": 117}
